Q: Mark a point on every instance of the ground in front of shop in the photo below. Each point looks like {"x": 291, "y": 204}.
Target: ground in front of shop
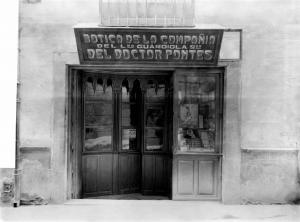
{"x": 149, "y": 210}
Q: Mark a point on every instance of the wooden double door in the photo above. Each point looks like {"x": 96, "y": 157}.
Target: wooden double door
{"x": 127, "y": 131}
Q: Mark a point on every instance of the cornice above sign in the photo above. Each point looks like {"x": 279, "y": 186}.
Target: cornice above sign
{"x": 103, "y": 45}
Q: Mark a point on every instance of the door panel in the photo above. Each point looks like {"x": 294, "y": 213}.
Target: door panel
{"x": 90, "y": 166}
{"x": 197, "y": 177}
{"x": 148, "y": 174}
{"x": 156, "y": 174}
{"x": 123, "y": 173}
{"x": 161, "y": 174}
{"x": 206, "y": 171}
{"x": 97, "y": 173}
{"x": 185, "y": 177}
{"x": 129, "y": 173}
{"x": 105, "y": 175}
{"x": 136, "y": 173}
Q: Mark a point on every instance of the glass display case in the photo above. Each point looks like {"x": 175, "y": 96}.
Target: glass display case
{"x": 197, "y": 114}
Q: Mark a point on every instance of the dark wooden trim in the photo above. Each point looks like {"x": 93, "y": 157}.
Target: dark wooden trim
{"x": 74, "y": 131}
{"x": 68, "y": 108}
{"x": 74, "y": 113}
{"x": 180, "y": 153}
{"x": 68, "y": 131}
{"x": 81, "y": 132}
{"x": 138, "y": 68}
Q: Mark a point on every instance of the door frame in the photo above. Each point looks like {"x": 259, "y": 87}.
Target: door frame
{"x": 74, "y": 99}
{"x": 73, "y": 139}
{"x": 192, "y": 160}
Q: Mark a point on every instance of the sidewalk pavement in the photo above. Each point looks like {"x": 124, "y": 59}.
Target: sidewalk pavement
{"x": 150, "y": 210}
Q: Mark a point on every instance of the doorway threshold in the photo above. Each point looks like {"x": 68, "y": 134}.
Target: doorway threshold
{"x": 116, "y": 198}
{"x": 131, "y": 196}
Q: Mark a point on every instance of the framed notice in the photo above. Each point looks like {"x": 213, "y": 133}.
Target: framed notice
{"x": 132, "y": 133}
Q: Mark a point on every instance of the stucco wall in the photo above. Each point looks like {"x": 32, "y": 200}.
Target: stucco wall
{"x": 265, "y": 109}
{"x": 6, "y": 186}
{"x": 269, "y": 93}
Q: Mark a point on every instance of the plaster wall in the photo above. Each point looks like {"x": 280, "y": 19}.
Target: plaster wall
{"x": 262, "y": 94}
{"x": 6, "y": 186}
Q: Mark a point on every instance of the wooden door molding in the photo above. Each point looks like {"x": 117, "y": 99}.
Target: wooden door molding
{"x": 74, "y": 132}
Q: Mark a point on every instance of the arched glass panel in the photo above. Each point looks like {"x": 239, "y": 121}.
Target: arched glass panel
{"x": 125, "y": 91}
{"x": 89, "y": 87}
{"x": 155, "y": 91}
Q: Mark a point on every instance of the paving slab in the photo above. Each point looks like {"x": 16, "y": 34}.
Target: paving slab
{"x": 150, "y": 210}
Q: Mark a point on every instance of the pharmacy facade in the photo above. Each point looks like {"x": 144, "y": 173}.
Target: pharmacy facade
{"x": 158, "y": 105}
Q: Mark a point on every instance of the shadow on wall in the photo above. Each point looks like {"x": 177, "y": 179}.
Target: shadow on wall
{"x": 294, "y": 197}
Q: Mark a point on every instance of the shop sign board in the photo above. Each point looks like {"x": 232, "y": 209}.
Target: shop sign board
{"x": 148, "y": 45}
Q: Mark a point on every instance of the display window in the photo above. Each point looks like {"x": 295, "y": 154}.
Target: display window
{"x": 197, "y": 111}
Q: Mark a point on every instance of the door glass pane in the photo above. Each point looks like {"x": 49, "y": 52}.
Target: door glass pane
{"x": 98, "y": 115}
{"x": 197, "y": 114}
{"x": 129, "y": 141}
{"x": 130, "y": 115}
{"x": 154, "y": 139}
{"x": 98, "y": 138}
{"x": 155, "y": 116}
{"x": 155, "y": 123}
